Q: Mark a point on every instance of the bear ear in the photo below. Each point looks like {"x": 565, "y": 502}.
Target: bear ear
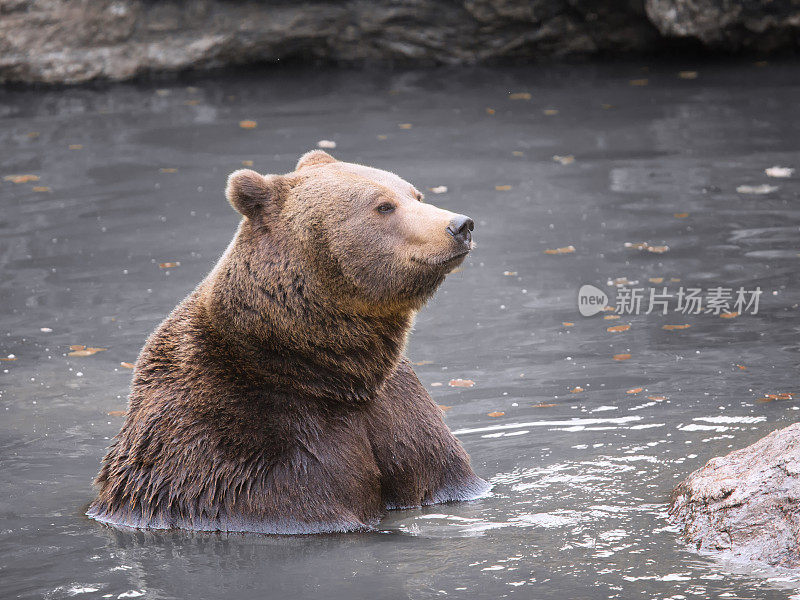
{"x": 248, "y": 192}
{"x": 313, "y": 158}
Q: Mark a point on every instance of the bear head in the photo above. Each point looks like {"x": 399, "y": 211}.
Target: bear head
{"x": 365, "y": 234}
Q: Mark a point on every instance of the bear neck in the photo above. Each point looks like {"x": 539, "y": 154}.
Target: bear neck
{"x": 286, "y": 328}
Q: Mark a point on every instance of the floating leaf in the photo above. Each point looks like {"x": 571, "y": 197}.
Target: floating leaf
{"x": 567, "y": 324}
{"x": 729, "y": 315}
{"x": 519, "y": 96}
{"x": 497, "y": 413}
{"x": 116, "y": 413}
{"x": 779, "y": 172}
{"x": 564, "y": 250}
{"x": 618, "y": 328}
{"x": 127, "y": 365}
{"x": 41, "y": 188}
{"x": 33, "y": 134}
{"x": 687, "y": 74}
{"x": 21, "y": 178}
{"x": 326, "y": 144}
{"x": 169, "y": 265}
{"x": 639, "y": 82}
{"x": 657, "y": 398}
{"x": 742, "y": 367}
{"x": 577, "y": 390}
{"x": 465, "y": 383}
{"x": 517, "y": 153}
{"x": 405, "y": 125}
{"x": 76, "y": 146}
{"x": 9, "y": 358}
{"x": 490, "y": 111}
{"x": 673, "y": 327}
{"x": 622, "y": 356}
{"x": 550, "y": 112}
{"x": 634, "y": 390}
{"x": 680, "y": 215}
{"x": 610, "y": 317}
{"x": 656, "y": 280}
{"x": 543, "y": 405}
{"x": 502, "y": 188}
{"x": 439, "y": 189}
{"x": 510, "y": 273}
{"x": 607, "y": 106}
{"x": 191, "y": 102}
{"x": 764, "y": 188}
{"x": 444, "y": 408}
{"x": 423, "y": 362}
{"x": 248, "y": 124}
{"x": 436, "y": 384}
{"x": 169, "y": 170}
{"x": 383, "y": 137}
{"x": 564, "y": 160}
{"x": 84, "y": 351}
{"x": 247, "y": 163}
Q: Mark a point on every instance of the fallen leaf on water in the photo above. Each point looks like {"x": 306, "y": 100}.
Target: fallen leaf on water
{"x": 326, "y": 144}
{"x": 497, "y": 413}
{"x": 519, "y": 96}
{"x": 21, "y": 178}
{"x": 577, "y": 390}
{"x": 248, "y": 124}
{"x": 764, "y": 188}
{"x": 567, "y": 324}
{"x": 169, "y": 265}
{"x": 502, "y": 188}
{"x": 622, "y": 356}
{"x": 550, "y": 112}
{"x": 41, "y": 188}
{"x": 658, "y": 249}
{"x": 169, "y": 170}
{"x": 634, "y": 390}
{"x": 779, "y": 171}
{"x": 423, "y": 362}
{"x": 191, "y": 102}
{"x": 439, "y": 189}
{"x": 607, "y": 106}
{"x": 127, "y": 365}
{"x": 687, "y": 74}
{"x": 76, "y": 146}
{"x": 729, "y": 315}
{"x": 657, "y": 398}
{"x": 116, "y": 413}
{"x": 610, "y": 317}
{"x": 543, "y": 405}
{"x": 84, "y": 351}
{"x": 518, "y": 153}
{"x": 9, "y": 358}
{"x": 673, "y": 327}
{"x": 45, "y": 329}
{"x": 618, "y": 328}
{"x": 646, "y": 246}
{"x": 436, "y": 384}
{"x": 510, "y": 273}
{"x": 564, "y": 160}
{"x": 33, "y": 134}
{"x": 247, "y": 163}
{"x": 742, "y": 367}
{"x": 444, "y": 408}
{"x": 467, "y": 383}
{"x": 609, "y": 309}
{"x": 656, "y": 280}
{"x": 383, "y": 137}
{"x": 674, "y": 279}
{"x": 405, "y": 125}
{"x": 680, "y": 215}
{"x": 490, "y": 111}
{"x": 639, "y": 82}
{"x": 564, "y": 250}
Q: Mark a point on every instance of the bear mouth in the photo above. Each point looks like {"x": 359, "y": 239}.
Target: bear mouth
{"x": 442, "y": 262}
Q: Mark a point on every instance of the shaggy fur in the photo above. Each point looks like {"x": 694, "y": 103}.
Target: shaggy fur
{"x": 275, "y": 397}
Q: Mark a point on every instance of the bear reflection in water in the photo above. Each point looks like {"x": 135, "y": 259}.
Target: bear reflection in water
{"x": 276, "y": 398}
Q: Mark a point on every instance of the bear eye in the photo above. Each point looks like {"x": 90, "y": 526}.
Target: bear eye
{"x": 386, "y": 207}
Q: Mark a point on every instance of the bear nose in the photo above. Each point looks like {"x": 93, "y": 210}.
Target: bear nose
{"x": 460, "y": 227}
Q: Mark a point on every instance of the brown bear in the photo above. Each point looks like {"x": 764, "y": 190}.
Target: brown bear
{"x": 276, "y": 398}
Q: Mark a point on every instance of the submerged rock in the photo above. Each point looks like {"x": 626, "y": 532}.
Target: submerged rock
{"x": 746, "y": 504}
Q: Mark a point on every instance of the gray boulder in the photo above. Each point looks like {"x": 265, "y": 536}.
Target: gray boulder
{"x": 746, "y": 505}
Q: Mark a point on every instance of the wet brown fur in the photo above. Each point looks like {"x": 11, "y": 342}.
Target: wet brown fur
{"x": 275, "y": 398}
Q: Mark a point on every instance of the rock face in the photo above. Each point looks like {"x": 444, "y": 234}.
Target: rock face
{"x": 746, "y": 504}
{"x": 72, "y": 41}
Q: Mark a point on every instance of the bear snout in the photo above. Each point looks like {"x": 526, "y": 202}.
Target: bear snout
{"x": 461, "y": 227}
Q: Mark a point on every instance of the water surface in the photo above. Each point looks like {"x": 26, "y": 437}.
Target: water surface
{"x": 132, "y": 176}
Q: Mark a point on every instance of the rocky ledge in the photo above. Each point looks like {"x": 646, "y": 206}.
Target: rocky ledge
{"x": 72, "y": 41}
{"x": 746, "y": 505}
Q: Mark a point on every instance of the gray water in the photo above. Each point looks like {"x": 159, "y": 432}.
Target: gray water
{"x": 581, "y": 478}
